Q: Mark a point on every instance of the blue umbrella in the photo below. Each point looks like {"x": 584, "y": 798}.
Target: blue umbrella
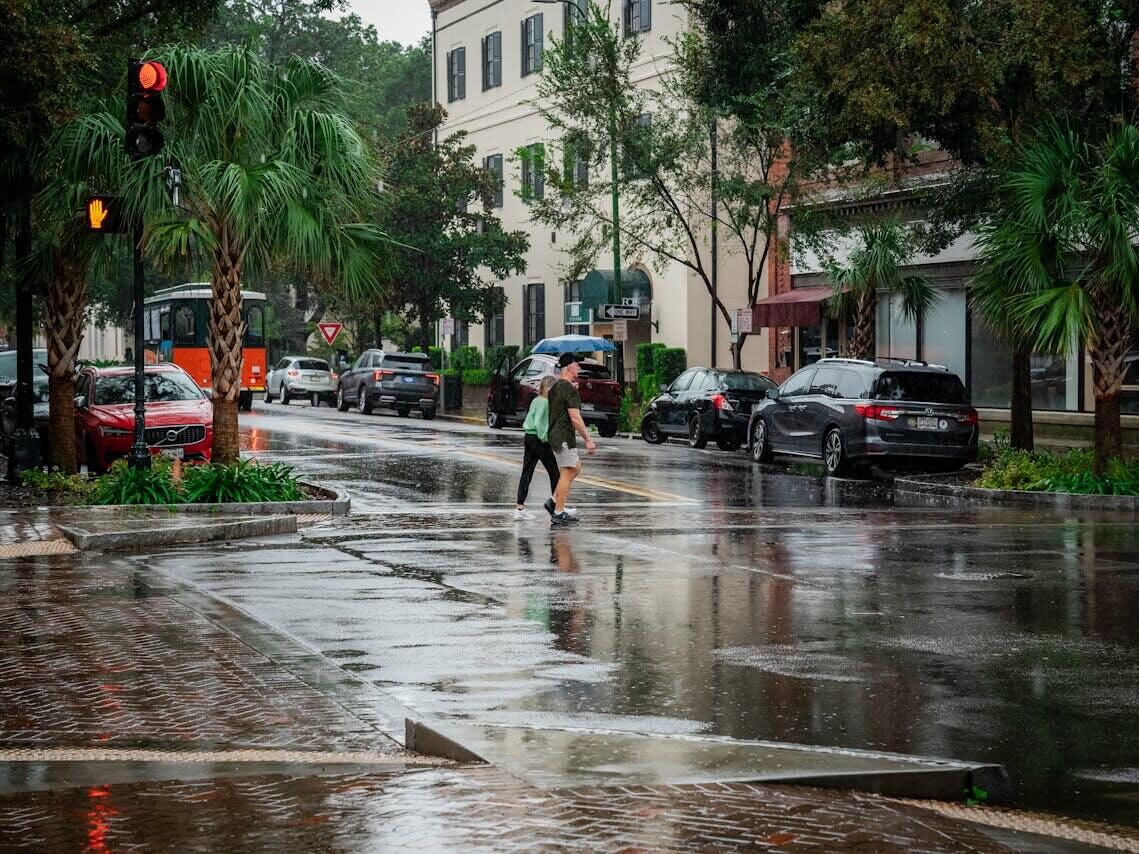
{"x": 574, "y": 344}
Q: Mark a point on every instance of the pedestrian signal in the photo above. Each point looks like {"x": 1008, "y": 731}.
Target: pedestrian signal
{"x": 103, "y": 214}
{"x": 145, "y": 107}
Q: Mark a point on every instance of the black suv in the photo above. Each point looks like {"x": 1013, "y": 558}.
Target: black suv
{"x": 399, "y": 381}
{"x": 848, "y": 412}
{"x": 703, "y": 404}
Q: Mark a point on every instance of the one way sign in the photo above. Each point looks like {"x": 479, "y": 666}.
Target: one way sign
{"x": 619, "y": 312}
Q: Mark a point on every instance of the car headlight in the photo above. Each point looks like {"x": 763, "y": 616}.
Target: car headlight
{"x": 113, "y": 431}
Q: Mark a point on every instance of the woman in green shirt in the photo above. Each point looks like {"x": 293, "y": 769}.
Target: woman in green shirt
{"x": 537, "y": 447}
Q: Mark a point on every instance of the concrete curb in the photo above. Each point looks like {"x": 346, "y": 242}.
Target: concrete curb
{"x": 930, "y": 491}
{"x": 138, "y": 539}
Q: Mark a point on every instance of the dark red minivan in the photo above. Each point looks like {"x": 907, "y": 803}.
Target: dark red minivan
{"x": 512, "y": 389}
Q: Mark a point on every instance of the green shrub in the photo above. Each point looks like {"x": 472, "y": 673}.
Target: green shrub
{"x": 629, "y": 415}
{"x": 648, "y": 386}
{"x": 53, "y": 480}
{"x": 466, "y": 358}
{"x": 645, "y": 357}
{"x": 125, "y": 485}
{"x": 1047, "y": 472}
{"x": 245, "y": 481}
{"x": 478, "y": 376}
{"x": 435, "y": 355}
{"x": 494, "y": 355}
{"x": 669, "y": 363}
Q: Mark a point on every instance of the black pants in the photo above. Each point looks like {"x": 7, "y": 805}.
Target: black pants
{"x": 537, "y": 451}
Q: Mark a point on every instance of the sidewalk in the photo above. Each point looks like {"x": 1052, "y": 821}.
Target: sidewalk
{"x": 138, "y": 712}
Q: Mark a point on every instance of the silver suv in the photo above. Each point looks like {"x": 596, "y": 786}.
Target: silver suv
{"x": 849, "y": 412}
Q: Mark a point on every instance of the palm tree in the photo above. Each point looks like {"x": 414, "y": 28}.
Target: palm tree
{"x": 1059, "y": 258}
{"x": 271, "y": 172}
{"x": 873, "y": 269}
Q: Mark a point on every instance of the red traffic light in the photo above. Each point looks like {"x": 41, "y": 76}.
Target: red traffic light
{"x": 151, "y": 76}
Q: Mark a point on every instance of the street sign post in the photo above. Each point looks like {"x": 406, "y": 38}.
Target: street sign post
{"x": 448, "y": 326}
{"x": 619, "y": 312}
{"x": 743, "y": 321}
{"x": 329, "y": 331}
{"x": 620, "y": 330}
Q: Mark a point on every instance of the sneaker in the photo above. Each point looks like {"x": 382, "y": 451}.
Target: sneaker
{"x": 549, "y": 505}
{"x": 571, "y": 511}
{"x": 563, "y": 519}
{"x": 519, "y": 515}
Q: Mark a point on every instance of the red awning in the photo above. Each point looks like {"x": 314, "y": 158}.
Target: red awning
{"x": 797, "y": 307}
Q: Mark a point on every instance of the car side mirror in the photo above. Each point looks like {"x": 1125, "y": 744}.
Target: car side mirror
{"x": 663, "y": 387}
{"x": 773, "y": 394}
{"x": 80, "y": 401}
{"x": 208, "y": 392}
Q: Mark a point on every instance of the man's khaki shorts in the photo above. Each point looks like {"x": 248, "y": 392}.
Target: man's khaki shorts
{"x": 567, "y": 457}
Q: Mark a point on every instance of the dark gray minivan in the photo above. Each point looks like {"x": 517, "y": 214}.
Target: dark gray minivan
{"x": 849, "y": 412}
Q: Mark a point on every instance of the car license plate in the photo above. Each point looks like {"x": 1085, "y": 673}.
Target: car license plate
{"x": 587, "y": 407}
{"x": 313, "y": 377}
{"x": 408, "y": 379}
{"x": 924, "y": 423}
{"x": 173, "y": 453}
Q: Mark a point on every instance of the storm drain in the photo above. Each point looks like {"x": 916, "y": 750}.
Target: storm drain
{"x": 35, "y": 548}
{"x": 296, "y": 757}
{"x": 1089, "y": 833}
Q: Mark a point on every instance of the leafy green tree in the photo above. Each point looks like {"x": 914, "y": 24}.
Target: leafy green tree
{"x": 449, "y": 251}
{"x": 1059, "y": 258}
{"x": 871, "y": 272}
{"x": 271, "y": 173}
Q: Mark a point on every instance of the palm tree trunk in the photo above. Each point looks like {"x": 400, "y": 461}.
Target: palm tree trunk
{"x": 225, "y": 336}
{"x": 862, "y": 343}
{"x": 1020, "y": 406}
{"x": 1107, "y": 352}
{"x": 63, "y": 326}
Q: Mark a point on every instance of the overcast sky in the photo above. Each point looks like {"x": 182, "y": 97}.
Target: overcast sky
{"x": 405, "y": 21}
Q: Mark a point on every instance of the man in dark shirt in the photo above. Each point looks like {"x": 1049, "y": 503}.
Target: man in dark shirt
{"x": 566, "y": 424}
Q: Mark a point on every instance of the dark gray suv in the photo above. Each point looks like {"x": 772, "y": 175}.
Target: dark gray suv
{"x": 849, "y": 412}
{"x": 399, "y": 381}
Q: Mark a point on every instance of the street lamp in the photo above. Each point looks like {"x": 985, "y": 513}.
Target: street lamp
{"x": 576, "y": 6}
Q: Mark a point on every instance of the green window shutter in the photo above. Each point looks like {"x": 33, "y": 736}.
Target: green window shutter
{"x": 538, "y": 42}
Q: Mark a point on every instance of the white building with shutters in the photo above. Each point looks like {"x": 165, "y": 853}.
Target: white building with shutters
{"x": 487, "y": 61}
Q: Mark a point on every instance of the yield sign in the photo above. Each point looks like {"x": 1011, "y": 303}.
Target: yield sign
{"x": 330, "y": 331}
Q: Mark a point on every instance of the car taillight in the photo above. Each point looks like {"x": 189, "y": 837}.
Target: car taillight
{"x": 969, "y": 417}
{"x": 332, "y": 376}
{"x": 292, "y": 372}
{"x": 874, "y": 412}
{"x": 434, "y": 378}
{"x": 383, "y": 375}
{"x": 721, "y": 402}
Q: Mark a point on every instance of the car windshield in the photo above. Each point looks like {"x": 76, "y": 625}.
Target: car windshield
{"x": 747, "y": 382}
{"x": 920, "y": 387}
{"x": 406, "y": 363}
{"x": 312, "y": 365}
{"x": 163, "y": 387}
{"x": 594, "y": 372}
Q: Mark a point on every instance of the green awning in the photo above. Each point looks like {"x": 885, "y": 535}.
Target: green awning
{"x": 597, "y": 287}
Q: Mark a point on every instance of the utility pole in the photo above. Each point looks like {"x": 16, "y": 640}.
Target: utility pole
{"x": 715, "y": 239}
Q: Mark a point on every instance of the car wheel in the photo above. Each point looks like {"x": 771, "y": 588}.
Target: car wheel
{"x": 362, "y": 401}
{"x": 285, "y": 396}
{"x": 760, "y": 449}
{"x": 314, "y": 400}
{"x": 697, "y": 438}
{"x": 268, "y": 394}
{"x": 428, "y": 414}
{"x": 650, "y": 430}
{"x": 834, "y": 453}
{"x": 607, "y": 429}
{"x": 728, "y": 443}
{"x": 342, "y": 405}
{"x": 493, "y": 420}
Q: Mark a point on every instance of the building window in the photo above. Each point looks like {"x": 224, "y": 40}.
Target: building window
{"x": 495, "y": 325}
{"x": 457, "y": 74}
{"x": 897, "y": 333}
{"x": 576, "y": 161}
{"x": 533, "y": 172}
{"x": 1054, "y": 380}
{"x": 575, "y": 12}
{"x": 492, "y": 61}
{"x": 637, "y": 146}
{"x": 534, "y": 314}
{"x": 638, "y": 16}
{"x": 493, "y": 164}
{"x": 943, "y": 332}
{"x": 532, "y": 44}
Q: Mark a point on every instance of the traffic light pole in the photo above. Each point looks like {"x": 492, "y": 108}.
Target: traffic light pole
{"x": 25, "y": 439}
{"x": 139, "y": 457}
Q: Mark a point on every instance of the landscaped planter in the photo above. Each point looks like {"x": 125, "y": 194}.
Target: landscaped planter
{"x": 940, "y": 491}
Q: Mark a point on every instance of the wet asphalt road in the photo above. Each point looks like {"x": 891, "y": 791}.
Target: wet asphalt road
{"x": 702, "y": 595}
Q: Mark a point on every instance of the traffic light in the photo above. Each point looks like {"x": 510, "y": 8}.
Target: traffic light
{"x": 103, "y": 214}
{"x": 145, "y": 107}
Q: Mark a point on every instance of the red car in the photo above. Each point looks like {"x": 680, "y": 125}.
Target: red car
{"x": 511, "y": 391}
{"x": 179, "y": 416}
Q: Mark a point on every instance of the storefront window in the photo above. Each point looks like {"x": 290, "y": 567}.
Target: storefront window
{"x": 1055, "y": 383}
{"x": 943, "y": 332}
{"x": 896, "y": 333}
{"x": 811, "y": 348}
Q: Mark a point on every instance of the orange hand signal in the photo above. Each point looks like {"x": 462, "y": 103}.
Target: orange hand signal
{"x": 96, "y": 213}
